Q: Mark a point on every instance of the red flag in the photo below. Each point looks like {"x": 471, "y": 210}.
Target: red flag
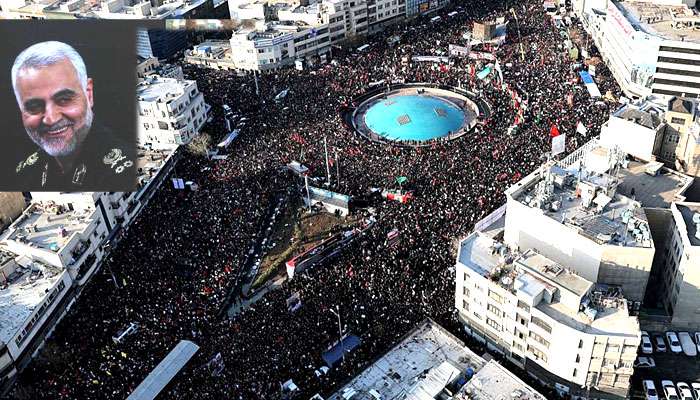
{"x": 553, "y": 131}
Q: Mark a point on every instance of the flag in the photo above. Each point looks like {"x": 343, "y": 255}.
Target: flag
{"x": 553, "y": 131}
{"x": 558, "y": 144}
{"x": 401, "y": 179}
{"x": 581, "y": 128}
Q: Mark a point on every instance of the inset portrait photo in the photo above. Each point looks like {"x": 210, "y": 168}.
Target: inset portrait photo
{"x": 67, "y": 95}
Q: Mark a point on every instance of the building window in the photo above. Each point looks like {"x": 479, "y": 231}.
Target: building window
{"x": 495, "y": 310}
{"x": 538, "y": 355}
{"x": 495, "y": 296}
{"x": 541, "y": 324}
{"x": 465, "y": 305}
{"x": 580, "y": 344}
{"x": 477, "y": 316}
{"x": 676, "y": 120}
{"x": 521, "y": 320}
{"x": 518, "y": 346}
{"x": 578, "y": 358}
{"x": 465, "y": 291}
{"x": 539, "y": 339}
{"x": 574, "y": 374}
{"x": 521, "y": 304}
{"x": 608, "y": 362}
{"x": 493, "y": 324}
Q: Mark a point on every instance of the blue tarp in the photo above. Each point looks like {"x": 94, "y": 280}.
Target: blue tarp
{"x": 335, "y": 354}
{"x": 590, "y": 84}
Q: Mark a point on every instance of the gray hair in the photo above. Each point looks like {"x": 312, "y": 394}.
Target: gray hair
{"x": 48, "y": 53}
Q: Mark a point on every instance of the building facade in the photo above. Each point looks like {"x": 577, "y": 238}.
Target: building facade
{"x": 562, "y": 328}
{"x": 171, "y": 112}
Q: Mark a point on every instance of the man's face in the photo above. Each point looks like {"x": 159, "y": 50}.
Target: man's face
{"x": 56, "y": 112}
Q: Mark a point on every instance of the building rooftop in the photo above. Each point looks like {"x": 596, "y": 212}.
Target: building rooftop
{"x": 48, "y": 226}
{"x": 494, "y": 382}
{"x": 605, "y": 309}
{"x": 160, "y": 89}
{"x": 586, "y": 202}
{"x": 149, "y": 162}
{"x": 23, "y": 286}
{"x": 421, "y": 366}
{"x": 653, "y": 191}
{"x": 673, "y": 22}
{"x": 640, "y": 117}
{"x": 691, "y": 211}
{"x": 681, "y": 105}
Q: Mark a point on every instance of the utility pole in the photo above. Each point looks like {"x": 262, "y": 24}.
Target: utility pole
{"x": 340, "y": 332}
{"x": 308, "y": 195}
{"x": 337, "y": 167}
{"x": 257, "y": 89}
{"x": 328, "y": 169}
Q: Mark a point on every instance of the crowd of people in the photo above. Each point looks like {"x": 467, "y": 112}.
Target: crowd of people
{"x": 180, "y": 258}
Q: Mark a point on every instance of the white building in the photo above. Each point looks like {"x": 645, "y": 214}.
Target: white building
{"x": 571, "y": 212}
{"x": 30, "y": 292}
{"x": 650, "y": 47}
{"x": 430, "y": 362}
{"x": 636, "y": 130}
{"x": 171, "y": 112}
{"x": 559, "y": 326}
{"x": 680, "y": 279}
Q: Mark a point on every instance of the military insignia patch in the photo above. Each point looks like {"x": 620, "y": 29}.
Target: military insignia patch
{"x": 31, "y": 160}
{"x": 112, "y": 157}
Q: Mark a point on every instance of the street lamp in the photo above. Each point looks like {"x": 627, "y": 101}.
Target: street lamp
{"x": 340, "y": 332}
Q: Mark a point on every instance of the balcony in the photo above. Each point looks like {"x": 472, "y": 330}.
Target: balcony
{"x": 80, "y": 250}
{"x": 133, "y": 204}
{"x": 86, "y": 266}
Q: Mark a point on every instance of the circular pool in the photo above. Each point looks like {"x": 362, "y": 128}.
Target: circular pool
{"x": 415, "y": 115}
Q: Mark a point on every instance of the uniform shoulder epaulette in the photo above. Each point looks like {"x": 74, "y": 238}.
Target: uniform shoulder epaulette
{"x": 31, "y": 160}
{"x": 117, "y": 160}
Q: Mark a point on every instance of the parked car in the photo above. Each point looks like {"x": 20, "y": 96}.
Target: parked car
{"x": 684, "y": 389}
{"x": 689, "y": 347}
{"x": 669, "y": 390}
{"x": 659, "y": 343}
{"x": 650, "y": 390}
{"x": 695, "y": 387}
{"x": 646, "y": 346}
{"x": 644, "y": 362}
{"x": 673, "y": 342}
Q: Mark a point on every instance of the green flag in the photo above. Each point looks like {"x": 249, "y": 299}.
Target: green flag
{"x": 401, "y": 179}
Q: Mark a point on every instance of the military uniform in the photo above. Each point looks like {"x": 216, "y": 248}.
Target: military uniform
{"x": 105, "y": 163}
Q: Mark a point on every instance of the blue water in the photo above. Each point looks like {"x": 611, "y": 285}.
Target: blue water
{"x": 425, "y": 123}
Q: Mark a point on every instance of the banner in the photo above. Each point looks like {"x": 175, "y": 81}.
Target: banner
{"x": 590, "y": 84}
{"x": 480, "y": 55}
{"x": 558, "y": 144}
{"x": 580, "y": 128}
{"x": 431, "y": 59}
{"x": 178, "y": 183}
{"x": 459, "y": 51}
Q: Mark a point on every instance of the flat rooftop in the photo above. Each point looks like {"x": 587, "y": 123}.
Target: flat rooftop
{"x": 641, "y": 117}
{"x": 422, "y": 364}
{"x": 653, "y": 191}
{"x": 157, "y": 88}
{"x": 534, "y": 273}
{"x": 658, "y": 19}
{"x": 611, "y": 318}
{"x": 22, "y": 290}
{"x": 688, "y": 210}
{"x": 604, "y": 227}
{"x": 149, "y": 162}
{"x": 495, "y": 382}
{"x": 48, "y": 226}
{"x": 560, "y": 276}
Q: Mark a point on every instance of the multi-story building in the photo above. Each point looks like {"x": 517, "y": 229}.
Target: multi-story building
{"x": 160, "y": 44}
{"x": 151, "y": 66}
{"x": 651, "y": 132}
{"x": 211, "y": 54}
{"x": 650, "y": 47}
{"x": 679, "y": 286}
{"x": 171, "y": 112}
{"x": 32, "y": 292}
{"x": 571, "y": 212}
{"x": 430, "y": 362}
{"x": 66, "y": 236}
{"x": 681, "y": 144}
{"x": 544, "y": 317}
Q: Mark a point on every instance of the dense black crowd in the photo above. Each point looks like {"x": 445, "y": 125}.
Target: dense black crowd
{"x": 181, "y": 256}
